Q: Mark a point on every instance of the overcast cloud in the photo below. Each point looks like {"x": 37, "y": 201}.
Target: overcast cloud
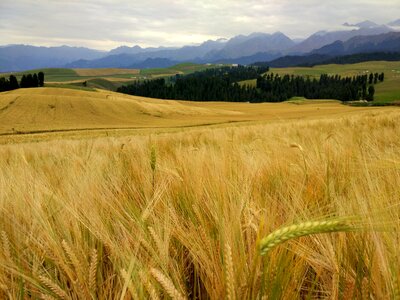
{"x": 106, "y": 24}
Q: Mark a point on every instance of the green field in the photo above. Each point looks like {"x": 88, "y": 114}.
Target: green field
{"x": 108, "y": 78}
{"x": 387, "y": 91}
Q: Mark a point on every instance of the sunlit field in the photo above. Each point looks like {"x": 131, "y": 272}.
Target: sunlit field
{"x": 46, "y": 113}
{"x": 183, "y": 214}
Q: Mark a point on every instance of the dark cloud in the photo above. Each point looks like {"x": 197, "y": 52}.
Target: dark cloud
{"x": 105, "y": 24}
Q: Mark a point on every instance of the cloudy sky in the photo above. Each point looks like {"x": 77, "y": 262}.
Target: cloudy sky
{"x": 106, "y": 24}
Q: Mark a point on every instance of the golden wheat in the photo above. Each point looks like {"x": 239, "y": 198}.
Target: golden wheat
{"x": 167, "y": 284}
{"x": 197, "y": 232}
{"x": 54, "y": 287}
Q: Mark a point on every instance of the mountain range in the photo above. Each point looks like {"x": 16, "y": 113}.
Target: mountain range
{"x": 388, "y": 42}
{"x": 25, "y": 57}
{"x": 242, "y": 49}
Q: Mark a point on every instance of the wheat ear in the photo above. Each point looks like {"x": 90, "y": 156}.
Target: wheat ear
{"x": 6, "y": 245}
{"x": 303, "y": 229}
{"x": 229, "y": 278}
{"x": 46, "y": 297}
{"x": 72, "y": 257}
{"x": 78, "y": 268}
{"x": 93, "y": 270}
{"x": 167, "y": 284}
{"x": 54, "y": 287}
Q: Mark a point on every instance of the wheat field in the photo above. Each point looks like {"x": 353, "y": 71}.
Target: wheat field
{"x": 181, "y": 214}
{"x": 46, "y": 113}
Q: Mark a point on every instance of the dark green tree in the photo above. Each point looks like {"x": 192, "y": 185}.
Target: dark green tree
{"x": 13, "y": 83}
{"x": 23, "y": 83}
{"x": 376, "y": 75}
{"x": 41, "y": 79}
{"x": 3, "y": 84}
{"x": 29, "y": 81}
{"x": 371, "y": 93}
{"x": 371, "y": 78}
{"x": 35, "y": 80}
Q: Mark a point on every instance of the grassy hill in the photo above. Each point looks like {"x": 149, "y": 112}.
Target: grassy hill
{"x": 108, "y": 78}
{"x": 385, "y": 92}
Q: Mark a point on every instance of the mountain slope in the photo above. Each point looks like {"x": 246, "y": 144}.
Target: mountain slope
{"x": 241, "y": 46}
{"x": 24, "y": 57}
{"x": 364, "y": 24}
{"x": 324, "y": 38}
{"x": 389, "y": 42}
{"x": 395, "y": 23}
{"x": 136, "y": 50}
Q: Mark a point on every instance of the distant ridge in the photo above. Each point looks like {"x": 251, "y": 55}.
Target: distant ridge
{"x": 321, "y": 39}
{"x": 240, "y": 49}
{"x": 395, "y": 23}
{"x": 364, "y": 24}
{"x": 320, "y": 59}
{"x": 363, "y": 44}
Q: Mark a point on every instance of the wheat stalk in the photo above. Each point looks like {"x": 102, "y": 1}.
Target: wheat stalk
{"x": 128, "y": 285}
{"x": 153, "y": 165}
{"x": 303, "y": 229}
{"x": 153, "y": 159}
{"x": 167, "y": 284}
{"x": 149, "y": 287}
{"x": 396, "y": 289}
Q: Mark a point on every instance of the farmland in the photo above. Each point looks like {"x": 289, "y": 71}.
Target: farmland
{"x": 107, "y": 78}
{"x": 105, "y": 195}
{"x": 46, "y": 112}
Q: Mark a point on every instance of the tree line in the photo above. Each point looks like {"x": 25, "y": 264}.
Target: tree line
{"x": 234, "y": 74}
{"x": 219, "y": 84}
{"x": 277, "y": 88}
{"x": 222, "y": 85}
{"x": 27, "y": 81}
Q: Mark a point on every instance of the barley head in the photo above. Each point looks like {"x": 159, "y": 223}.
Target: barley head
{"x": 303, "y": 229}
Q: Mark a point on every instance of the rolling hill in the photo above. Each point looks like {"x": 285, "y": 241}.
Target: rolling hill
{"x": 56, "y": 109}
{"x": 42, "y": 113}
